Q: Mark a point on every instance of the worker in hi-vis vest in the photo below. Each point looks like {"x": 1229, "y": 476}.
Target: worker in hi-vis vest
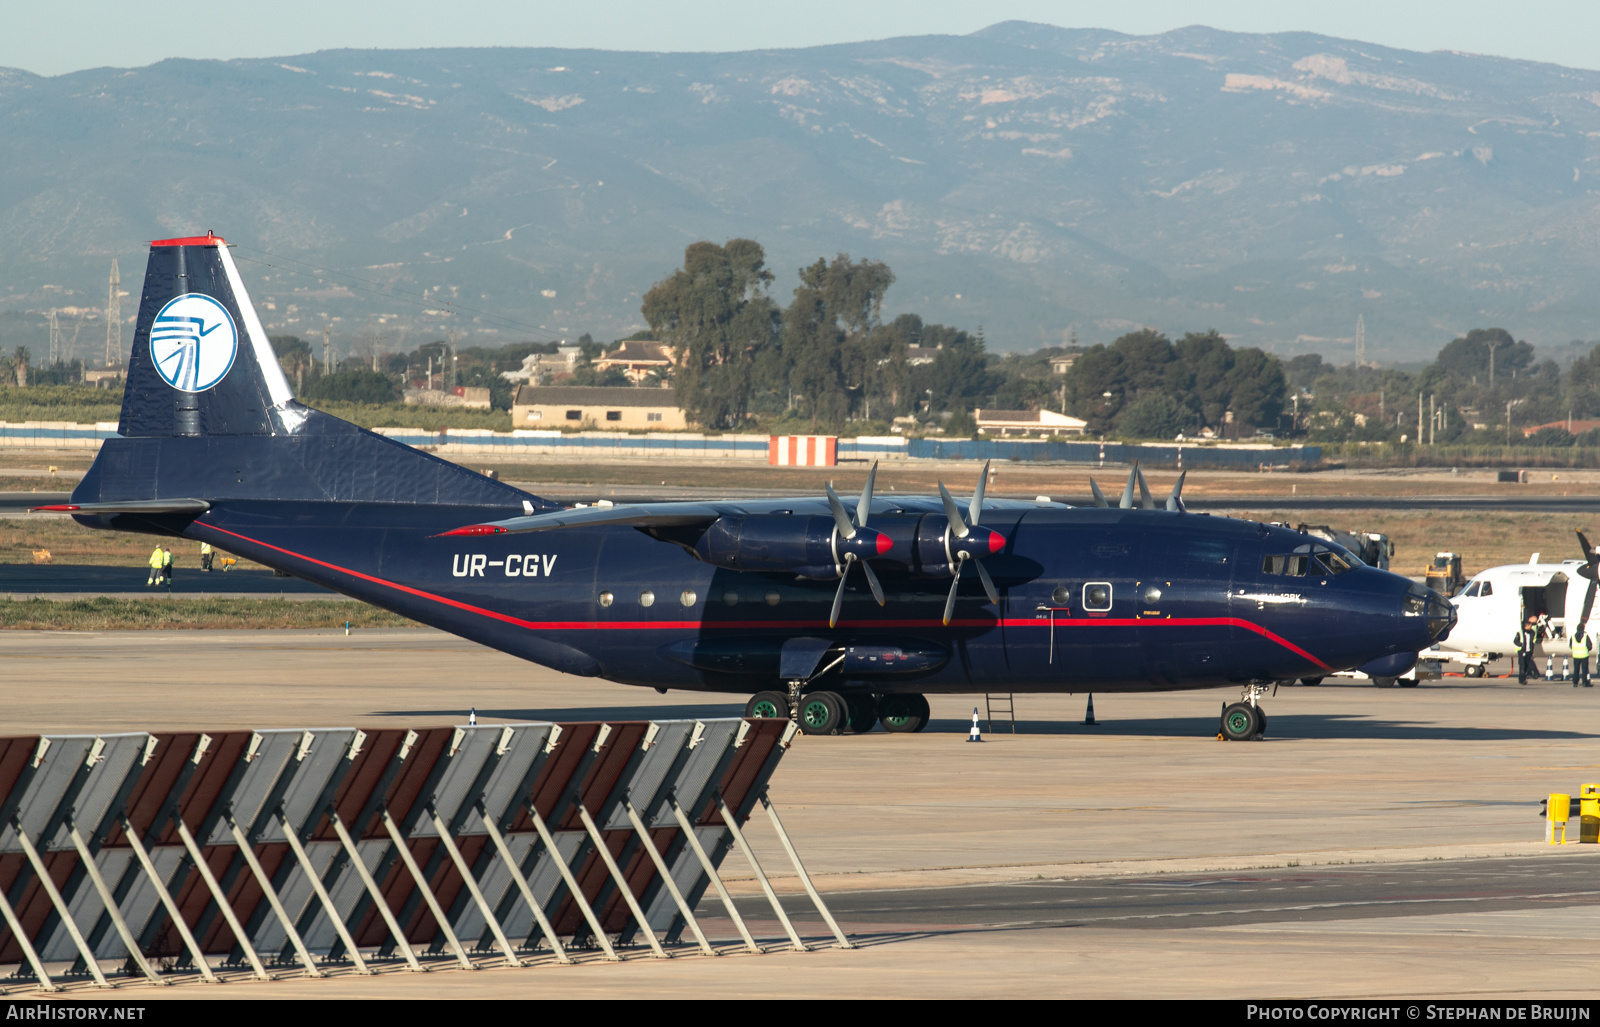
{"x": 205, "y": 556}
{"x": 1581, "y": 644}
{"x": 166, "y": 565}
{"x": 155, "y": 567}
{"x": 1525, "y": 641}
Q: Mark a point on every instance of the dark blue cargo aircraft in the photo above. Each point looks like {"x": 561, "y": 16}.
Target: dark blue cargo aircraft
{"x": 836, "y": 615}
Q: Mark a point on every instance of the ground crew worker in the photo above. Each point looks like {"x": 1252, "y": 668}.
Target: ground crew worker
{"x": 1525, "y": 641}
{"x": 1581, "y": 643}
{"x": 155, "y": 567}
{"x": 205, "y": 556}
{"x": 166, "y": 565}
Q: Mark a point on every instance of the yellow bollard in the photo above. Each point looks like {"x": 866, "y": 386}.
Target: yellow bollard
{"x": 1589, "y": 813}
{"x": 1556, "y": 813}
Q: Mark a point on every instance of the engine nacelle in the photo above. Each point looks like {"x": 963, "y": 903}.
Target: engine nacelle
{"x": 939, "y": 549}
{"x": 810, "y": 547}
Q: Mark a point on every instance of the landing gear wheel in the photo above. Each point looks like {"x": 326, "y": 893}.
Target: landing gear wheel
{"x": 1241, "y": 722}
{"x": 903, "y": 714}
{"x": 1406, "y": 682}
{"x": 821, "y": 713}
{"x": 861, "y": 713}
{"x": 1474, "y": 670}
{"x": 1384, "y": 682}
{"x": 1311, "y": 681}
{"x": 767, "y": 705}
{"x": 1261, "y": 718}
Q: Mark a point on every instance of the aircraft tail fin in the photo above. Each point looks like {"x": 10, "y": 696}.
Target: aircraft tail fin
{"x": 201, "y": 362}
{"x": 208, "y": 414}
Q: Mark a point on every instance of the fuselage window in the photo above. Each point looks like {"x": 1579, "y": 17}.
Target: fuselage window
{"x": 1062, "y": 596}
{"x": 1097, "y": 596}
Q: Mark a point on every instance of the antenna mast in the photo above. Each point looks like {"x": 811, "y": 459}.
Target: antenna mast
{"x": 55, "y": 337}
{"x": 114, "y": 319}
{"x": 1361, "y": 341}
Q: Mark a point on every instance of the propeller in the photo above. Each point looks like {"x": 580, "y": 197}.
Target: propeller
{"x": 1590, "y": 570}
{"x": 964, "y": 540}
{"x": 1146, "y": 501}
{"x": 854, "y": 542}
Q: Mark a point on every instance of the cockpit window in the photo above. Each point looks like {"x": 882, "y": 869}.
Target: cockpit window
{"x": 1314, "y": 559}
{"x": 1487, "y": 589}
{"x": 1470, "y": 591}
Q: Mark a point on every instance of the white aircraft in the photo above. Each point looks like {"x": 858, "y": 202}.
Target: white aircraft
{"x": 1496, "y": 603}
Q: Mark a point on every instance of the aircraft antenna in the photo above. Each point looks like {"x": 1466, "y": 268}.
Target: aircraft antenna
{"x": 1361, "y": 341}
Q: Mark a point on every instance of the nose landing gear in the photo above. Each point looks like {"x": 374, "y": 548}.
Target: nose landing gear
{"x": 1244, "y": 720}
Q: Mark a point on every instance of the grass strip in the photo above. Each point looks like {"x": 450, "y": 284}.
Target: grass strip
{"x": 106, "y": 613}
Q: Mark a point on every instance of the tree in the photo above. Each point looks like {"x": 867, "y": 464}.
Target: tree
{"x": 1155, "y": 415}
{"x": 355, "y": 386}
{"x": 830, "y": 348}
{"x": 294, "y": 356}
{"x": 1255, "y": 388}
{"x": 716, "y": 316}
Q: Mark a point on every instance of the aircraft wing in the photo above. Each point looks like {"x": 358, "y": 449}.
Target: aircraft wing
{"x": 679, "y": 513}
{"x": 639, "y": 515}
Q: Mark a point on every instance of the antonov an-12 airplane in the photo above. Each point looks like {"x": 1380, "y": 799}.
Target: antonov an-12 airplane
{"x": 839, "y": 614}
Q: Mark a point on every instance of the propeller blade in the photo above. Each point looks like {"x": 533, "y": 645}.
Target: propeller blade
{"x": 1588, "y": 607}
{"x": 1145, "y": 502}
{"x": 872, "y": 583}
{"x": 838, "y": 597}
{"x": 955, "y": 583}
{"x": 988, "y": 582}
{"x": 1588, "y": 550}
{"x": 864, "y": 507}
{"x": 1127, "y": 491}
{"x": 975, "y": 508}
{"x": 1099, "y": 497}
{"x": 840, "y": 518}
{"x": 953, "y": 512}
{"x": 1175, "y": 501}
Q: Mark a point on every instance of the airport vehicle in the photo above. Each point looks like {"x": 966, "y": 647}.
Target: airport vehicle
{"x": 839, "y": 615}
{"x": 1498, "y": 601}
{"x": 1443, "y": 574}
{"x": 1425, "y": 668}
{"x": 1374, "y": 548}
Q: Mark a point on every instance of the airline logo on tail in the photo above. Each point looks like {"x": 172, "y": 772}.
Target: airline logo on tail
{"x": 193, "y": 342}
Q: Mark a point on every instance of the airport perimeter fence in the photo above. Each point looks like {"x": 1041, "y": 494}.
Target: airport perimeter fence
{"x": 184, "y": 856}
{"x": 525, "y": 445}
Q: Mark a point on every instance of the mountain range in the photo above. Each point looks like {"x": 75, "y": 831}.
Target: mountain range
{"x": 1046, "y": 184}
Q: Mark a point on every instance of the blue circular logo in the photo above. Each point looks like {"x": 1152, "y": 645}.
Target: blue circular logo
{"x": 193, "y": 342}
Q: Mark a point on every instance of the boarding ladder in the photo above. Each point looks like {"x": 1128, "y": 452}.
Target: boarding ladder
{"x": 1003, "y": 705}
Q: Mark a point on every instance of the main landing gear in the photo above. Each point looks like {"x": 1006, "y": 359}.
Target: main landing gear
{"x": 1245, "y": 719}
{"x": 835, "y": 713}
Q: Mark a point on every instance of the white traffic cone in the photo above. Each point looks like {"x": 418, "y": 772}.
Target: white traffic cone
{"x": 472, "y": 717}
{"x": 1566, "y": 669}
{"x": 976, "y": 735}
{"x": 1549, "y": 668}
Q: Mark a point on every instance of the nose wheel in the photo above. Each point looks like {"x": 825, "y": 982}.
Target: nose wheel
{"x": 1245, "y": 720}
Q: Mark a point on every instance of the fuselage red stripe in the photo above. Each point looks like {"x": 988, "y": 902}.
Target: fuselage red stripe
{"x": 800, "y": 625}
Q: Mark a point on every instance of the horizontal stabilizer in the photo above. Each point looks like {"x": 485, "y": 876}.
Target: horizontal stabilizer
{"x": 130, "y": 506}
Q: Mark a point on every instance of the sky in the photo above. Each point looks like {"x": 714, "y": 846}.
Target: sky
{"x": 70, "y": 35}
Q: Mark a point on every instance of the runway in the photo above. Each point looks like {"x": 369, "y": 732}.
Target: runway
{"x": 1283, "y": 896}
